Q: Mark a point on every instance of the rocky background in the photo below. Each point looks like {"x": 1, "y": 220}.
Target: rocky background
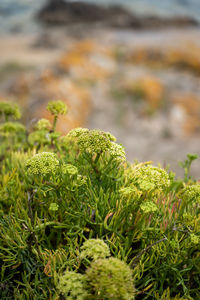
{"x": 135, "y": 76}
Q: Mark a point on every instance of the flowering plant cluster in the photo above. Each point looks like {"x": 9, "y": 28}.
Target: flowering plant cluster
{"x": 96, "y": 142}
{"x": 107, "y": 278}
{"x": 8, "y": 109}
{"x": 78, "y": 221}
{"x": 42, "y": 164}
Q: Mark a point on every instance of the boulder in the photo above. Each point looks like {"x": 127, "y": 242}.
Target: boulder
{"x": 60, "y": 12}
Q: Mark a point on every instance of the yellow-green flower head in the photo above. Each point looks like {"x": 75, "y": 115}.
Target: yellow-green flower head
{"x": 192, "y": 193}
{"x": 57, "y": 108}
{"x": 148, "y": 207}
{"x": 10, "y": 109}
{"x": 125, "y": 191}
{"x": 194, "y": 239}
{"x": 96, "y": 142}
{"x": 111, "y": 279}
{"x": 39, "y": 137}
{"x": 150, "y": 178}
{"x": 42, "y": 164}
{"x": 69, "y": 169}
{"x": 12, "y": 128}
{"x": 81, "y": 180}
{"x": 94, "y": 249}
{"x": 111, "y": 137}
{"x": 43, "y": 124}
{"x": 77, "y": 132}
{"x": 117, "y": 151}
{"x": 53, "y": 207}
{"x": 19, "y": 158}
{"x": 72, "y": 286}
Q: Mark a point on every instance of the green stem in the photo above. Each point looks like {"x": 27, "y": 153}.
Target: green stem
{"x": 54, "y": 123}
{"x": 97, "y": 158}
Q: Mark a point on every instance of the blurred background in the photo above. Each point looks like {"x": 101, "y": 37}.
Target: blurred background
{"x": 131, "y": 67}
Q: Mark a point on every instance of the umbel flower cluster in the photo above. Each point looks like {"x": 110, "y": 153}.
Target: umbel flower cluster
{"x": 57, "y": 108}
{"x": 191, "y": 193}
{"x": 94, "y": 249}
{"x": 97, "y": 142}
{"x": 9, "y": 128}
{"x": 43, "y": 124}
{"x": 106, "y": 278}
{"x": 9, "y": 109}
{"x": 42, "y": 164}
{"x": 78, "y": 221}
{"x": 150, "y": 178}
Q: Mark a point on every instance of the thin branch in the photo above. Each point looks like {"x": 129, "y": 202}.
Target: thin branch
{"x": 134, "y": 263}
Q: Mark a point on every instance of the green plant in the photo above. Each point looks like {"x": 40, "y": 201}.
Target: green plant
{"x": 111, "y": 279}
{"x": 186, "y": 165}
{"x": 78, "y": 220}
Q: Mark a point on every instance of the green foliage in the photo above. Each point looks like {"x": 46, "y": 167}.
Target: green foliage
{"x": 77, "y": 220}
{"x": 186, "y": 165}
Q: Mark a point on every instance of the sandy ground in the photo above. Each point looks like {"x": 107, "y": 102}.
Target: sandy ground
{"x": 44, "y": 48}
{"x": 20, "y": 49}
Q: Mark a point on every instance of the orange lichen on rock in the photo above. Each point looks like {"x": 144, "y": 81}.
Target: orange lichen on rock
{"x": 148, "y": 56}
{"x": 185, "y": 57}
{"x": 190, "y": 104}
{"x": 148, "y": 88}
{"x": 88, "y": 61}
{"x": 153, "y": 90}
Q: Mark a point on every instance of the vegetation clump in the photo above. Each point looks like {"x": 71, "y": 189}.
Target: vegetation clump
{"x": 78, "y": 221}
{"x": 111, "y": 279}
